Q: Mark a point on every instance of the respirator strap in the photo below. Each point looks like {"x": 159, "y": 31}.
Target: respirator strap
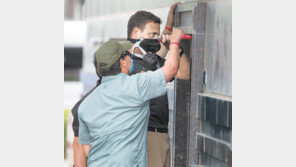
{"x": 133, "y": 40}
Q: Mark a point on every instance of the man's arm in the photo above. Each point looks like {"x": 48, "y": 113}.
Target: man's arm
{"x": 171, "y": 64}
{"x": 170, "y": 23}
{"x": 152, "y": 84}
{"x": 79, "y": 154}
{"x": 184, "y": 68}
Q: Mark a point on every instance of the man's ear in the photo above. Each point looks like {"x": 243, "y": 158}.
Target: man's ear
{"x": 122, "y": 63}
{"x": 136, "y": 33}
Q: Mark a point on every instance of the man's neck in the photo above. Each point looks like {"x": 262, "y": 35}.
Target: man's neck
{"x": 124, "y": 71}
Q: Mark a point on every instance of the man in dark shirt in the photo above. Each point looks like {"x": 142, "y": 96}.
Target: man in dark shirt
{"x": 145, "y": 25}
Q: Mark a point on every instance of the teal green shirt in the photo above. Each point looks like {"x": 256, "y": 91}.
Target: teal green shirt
{"x": 113, "y": 119}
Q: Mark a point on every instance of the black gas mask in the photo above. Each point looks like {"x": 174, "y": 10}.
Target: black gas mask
{"x": 148, "y": 47}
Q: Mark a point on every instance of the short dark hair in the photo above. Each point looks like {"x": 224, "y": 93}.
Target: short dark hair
{"x": 113, "y": 70}
{"x": 140, "y": 19}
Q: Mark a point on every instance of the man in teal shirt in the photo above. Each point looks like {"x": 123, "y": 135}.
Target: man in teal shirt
{"x": 113, "y": 119}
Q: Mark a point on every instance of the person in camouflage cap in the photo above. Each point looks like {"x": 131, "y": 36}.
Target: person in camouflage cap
{"x": 113, "y": 118}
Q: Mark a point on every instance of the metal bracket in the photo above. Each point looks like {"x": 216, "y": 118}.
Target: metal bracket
{"x": 137, "y": 45}
{"x": 204, "y": 77}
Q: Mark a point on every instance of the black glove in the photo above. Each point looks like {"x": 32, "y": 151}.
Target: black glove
{"x": 150, "y": 61}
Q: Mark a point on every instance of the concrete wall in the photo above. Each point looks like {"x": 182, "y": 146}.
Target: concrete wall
{"x": 96, "y": 8}
{"x": 218, "y": 47}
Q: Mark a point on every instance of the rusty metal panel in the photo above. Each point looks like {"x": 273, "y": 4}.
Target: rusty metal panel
{"x": 218, "y": 47}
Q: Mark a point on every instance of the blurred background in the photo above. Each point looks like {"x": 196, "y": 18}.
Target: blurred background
{"x": 200, "y": 120}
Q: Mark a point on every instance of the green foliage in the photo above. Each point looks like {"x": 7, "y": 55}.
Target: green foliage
{"x": 66, "y": 113}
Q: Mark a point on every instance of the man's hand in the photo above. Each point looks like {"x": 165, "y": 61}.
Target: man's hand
{"x": 165, "y": 38}
{"x": 150, "y": 61}
{"x": 176, "y": 35}
{"x": 170, "y": 18}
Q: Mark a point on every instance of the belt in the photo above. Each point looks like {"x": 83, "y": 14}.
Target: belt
{"x": 160, "y": 130}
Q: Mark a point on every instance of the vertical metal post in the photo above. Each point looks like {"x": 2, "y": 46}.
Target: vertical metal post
{"x": 198, "y": 43}
{"x": 181, "y": 122}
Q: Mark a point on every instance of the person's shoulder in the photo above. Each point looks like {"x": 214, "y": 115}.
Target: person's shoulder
{"x": 158, "y": 71}
{"x": 133, "y": 76}
{"x": 146, "y": 74}
{"x": 75, "y": 108}
{"x": 85, "y": 103}
{"x": 137, "y": 78}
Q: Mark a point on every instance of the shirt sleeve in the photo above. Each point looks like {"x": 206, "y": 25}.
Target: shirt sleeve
{"x": 151, "y": 84}
{"x": 75, "y": 125}
{"x": 84, "y": 134}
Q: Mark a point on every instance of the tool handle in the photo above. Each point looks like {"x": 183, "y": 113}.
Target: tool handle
{"x": 186, "y": 36}
{"x": 183, "y": 37}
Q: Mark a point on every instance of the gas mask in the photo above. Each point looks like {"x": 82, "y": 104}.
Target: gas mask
{"x": 148, "y": 47}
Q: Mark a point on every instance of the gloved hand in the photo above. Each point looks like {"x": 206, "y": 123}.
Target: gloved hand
{"x": 150, "y": 61}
